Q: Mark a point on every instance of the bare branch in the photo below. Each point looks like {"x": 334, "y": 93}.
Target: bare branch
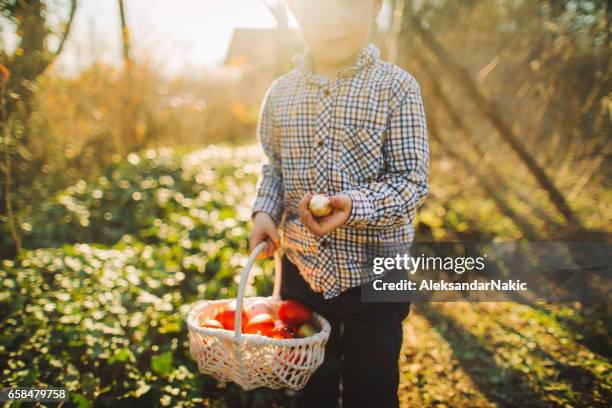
{"x": 73, "y": 7}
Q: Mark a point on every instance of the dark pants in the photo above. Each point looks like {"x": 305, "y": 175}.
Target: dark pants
{"x": 363, "y": 347}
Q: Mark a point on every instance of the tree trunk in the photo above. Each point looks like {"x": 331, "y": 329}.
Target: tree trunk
{"x": 128, "y": 135}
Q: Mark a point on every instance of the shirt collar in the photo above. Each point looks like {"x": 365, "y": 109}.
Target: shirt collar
{"x": 368, "y": 55}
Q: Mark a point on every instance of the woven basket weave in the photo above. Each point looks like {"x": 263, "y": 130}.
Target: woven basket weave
{"x": 252, "y": 360}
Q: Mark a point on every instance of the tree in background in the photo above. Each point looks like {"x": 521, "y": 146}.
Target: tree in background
{"x": 21, "y": 69}
{"x": 536, "y": 75}
{"x": 278, "y": 9}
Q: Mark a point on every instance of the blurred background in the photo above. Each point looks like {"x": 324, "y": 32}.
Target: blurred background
{"x": 128, "y": 161}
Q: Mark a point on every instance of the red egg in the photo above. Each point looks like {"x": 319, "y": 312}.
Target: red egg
{"x": 282, "y": 331}
{"x": 294, "y": 312}
{"x": 227, "y": 314}
{"x": 260, "y": 324}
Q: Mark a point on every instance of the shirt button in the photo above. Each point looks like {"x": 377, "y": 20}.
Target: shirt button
{"x": 320, "y": 143}
{"x": 324, "y": 243}
{"x": 326, "y": 92}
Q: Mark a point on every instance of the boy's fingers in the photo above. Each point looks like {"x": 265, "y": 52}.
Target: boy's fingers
{"x": 308, "y": 217}
{"x": 269, "y": 250}
{"x": 317, "y": 229}
{"x": 303, "y": 205}
{"x": 312, "y": 224}
{"x": 272, "y": 247}
{"x": 331, "y": 222}
{"x": 336, "y": 202}
{"x": 265, "y": 253}
{"x": 253, "y": 241}
{"x": 303, "y": 213}
{"x": 274, "y": 237}
{"x": 340, "y": 201}
{"x": 307, "y": 221}
{"x": 256, "y": 239}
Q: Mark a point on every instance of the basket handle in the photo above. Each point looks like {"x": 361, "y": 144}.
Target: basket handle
{"x": 243, "y": 281}
{"x": 277, "y": 275}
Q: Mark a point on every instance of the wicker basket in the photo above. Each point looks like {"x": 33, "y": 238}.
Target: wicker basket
{"x": 252, "y": 360}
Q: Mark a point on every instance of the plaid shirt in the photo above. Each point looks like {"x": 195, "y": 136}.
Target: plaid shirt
{"x": 362, "y": 133}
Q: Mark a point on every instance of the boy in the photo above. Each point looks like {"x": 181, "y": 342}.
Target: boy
{"x": 347, "y": 124}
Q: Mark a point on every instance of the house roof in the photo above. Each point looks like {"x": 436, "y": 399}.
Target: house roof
{"x": 249, "y": 46}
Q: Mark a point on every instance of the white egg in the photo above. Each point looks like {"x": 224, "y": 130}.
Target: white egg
{"x": 320, "y": 205}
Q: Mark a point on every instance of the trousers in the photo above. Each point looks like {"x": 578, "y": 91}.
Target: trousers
{"x": 361, "y": 355}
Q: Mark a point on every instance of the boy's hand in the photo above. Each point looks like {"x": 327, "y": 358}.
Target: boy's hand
{"x": 264, "y": 229}
{"x": 341, "y": 208}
